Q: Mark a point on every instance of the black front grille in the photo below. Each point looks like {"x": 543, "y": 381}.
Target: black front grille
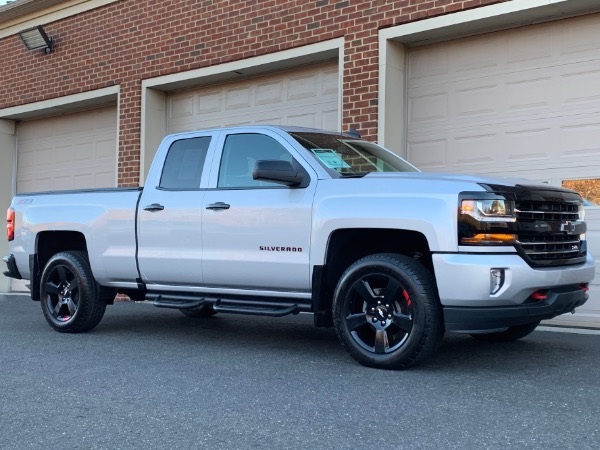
{"x": 547, "y": 235}
{"x": 547, "y": 211}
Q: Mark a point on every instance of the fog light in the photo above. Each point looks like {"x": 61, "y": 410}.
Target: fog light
{"x": 496, "y": 280}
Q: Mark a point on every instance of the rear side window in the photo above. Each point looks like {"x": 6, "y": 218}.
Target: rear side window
{"x": 184, "y": 164}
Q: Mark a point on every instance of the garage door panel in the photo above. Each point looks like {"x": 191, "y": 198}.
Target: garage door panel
{"x": 209, "y": 102}
{"x": 522, "y": 103}
{"x": 306, "y": 97}
{"x": 506, "y": 98}
{"x": 330, "y": 82}
{"x": 237, "y": 98}
{"x": 181, "y": 106}
{"x": 67, "y": 152}
{"x": 563, "y": 140}
{"x": 269, "y": 93}
{"x": 528, "y": 48}
{"x": 302, "y": 87}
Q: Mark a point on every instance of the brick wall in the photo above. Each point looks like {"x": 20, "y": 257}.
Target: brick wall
{"x": 131, "y": 40}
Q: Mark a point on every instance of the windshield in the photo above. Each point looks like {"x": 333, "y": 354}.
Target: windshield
{"x": 343, "y": 156}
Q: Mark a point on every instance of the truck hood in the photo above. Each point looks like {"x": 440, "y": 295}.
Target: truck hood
{"x": 453, "y": 178}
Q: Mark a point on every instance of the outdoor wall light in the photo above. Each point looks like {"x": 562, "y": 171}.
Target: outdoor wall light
{"x": 35, "y": 38}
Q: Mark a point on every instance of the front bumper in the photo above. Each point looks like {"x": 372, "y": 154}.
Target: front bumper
{"x": 471, "y": 320}
{"x": 463, "y": 279}
{"x": 11, "y": 265}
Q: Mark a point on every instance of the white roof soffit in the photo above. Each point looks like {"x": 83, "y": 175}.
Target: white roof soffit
{"x": 500, "y": 16}
{"x": 63, "y": 105}
{"x": 21, "y": 14}
{"x": 20, "y": 8}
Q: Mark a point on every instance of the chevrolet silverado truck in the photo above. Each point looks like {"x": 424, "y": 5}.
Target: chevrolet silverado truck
{"x": 280, "y": 220}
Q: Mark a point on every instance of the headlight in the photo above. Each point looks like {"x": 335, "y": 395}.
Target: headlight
{"x": 486, "y": 221}
{"x": 496, "y": 210}
{"x": 581, "y": 212}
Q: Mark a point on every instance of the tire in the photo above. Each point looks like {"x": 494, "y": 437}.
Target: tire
{"x": 69, "y": 295}
{"x": 509, "y": 335}
{"x": 202, "y": 311}
{"x": 387, "y": 313}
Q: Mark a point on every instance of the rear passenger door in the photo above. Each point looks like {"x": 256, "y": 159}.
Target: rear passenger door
{"x": 256, "y": 234}
{"x": 170, "y": 213}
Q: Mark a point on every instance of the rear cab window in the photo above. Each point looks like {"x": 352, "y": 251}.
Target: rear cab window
{"x": 184, "y": 163}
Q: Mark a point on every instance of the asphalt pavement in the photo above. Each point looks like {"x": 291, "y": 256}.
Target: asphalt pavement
{"x": 153, "y": 378}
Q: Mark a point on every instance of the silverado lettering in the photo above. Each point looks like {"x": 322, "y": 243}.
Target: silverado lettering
{"x": 266, "y": 248}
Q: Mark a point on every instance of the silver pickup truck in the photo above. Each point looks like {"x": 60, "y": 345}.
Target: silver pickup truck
{"x": 280, "y": 220}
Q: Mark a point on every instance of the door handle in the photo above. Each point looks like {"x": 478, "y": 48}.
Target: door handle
{"x": 218, "y": 206}
{"x": 154, "y": 207}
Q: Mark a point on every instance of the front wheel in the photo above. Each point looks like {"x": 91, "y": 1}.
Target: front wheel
{"x": 387, "y": 313}
{"x": 70, "y": 297}
{"x": 508, "y": 335}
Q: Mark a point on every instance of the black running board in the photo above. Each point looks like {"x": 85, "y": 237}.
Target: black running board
{"x": 178, "y": 303}
{"x": 255, "y": 308}
{"x": 252, "y": 307}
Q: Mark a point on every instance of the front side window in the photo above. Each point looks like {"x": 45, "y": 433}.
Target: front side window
{"x": 240, "y": 153}
{"x": 343, "y": 156}
{"x": 184, "y": 163}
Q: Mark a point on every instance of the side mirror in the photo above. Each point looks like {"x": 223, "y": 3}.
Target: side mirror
{"x": 282, "y": 172}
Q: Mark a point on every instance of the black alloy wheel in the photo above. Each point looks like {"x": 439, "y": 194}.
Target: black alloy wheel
{"x": 69, "y": 294}
{"x": 386, "y": 311}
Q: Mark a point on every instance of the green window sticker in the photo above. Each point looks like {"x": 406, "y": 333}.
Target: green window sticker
{"x": 330, "y": 158}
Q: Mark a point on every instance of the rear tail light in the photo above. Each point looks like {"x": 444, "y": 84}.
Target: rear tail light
{"x": 10, "y": 224}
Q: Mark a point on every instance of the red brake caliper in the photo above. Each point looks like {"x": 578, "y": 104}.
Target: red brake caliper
{"x": 406, "y": 297}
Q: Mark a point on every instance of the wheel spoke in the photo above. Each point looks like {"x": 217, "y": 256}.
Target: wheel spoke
{"x": 52, "y": 288}
{"x": 381, "y": 341}
{"x": 62, "y": 274}
{"x": 363, "y": 289}
{"x": 72, "y": 307}
{"x": 355, "y": 321}
{"x": 74, "y": 285}
{"x": 403, "y": 322}
{"x": 56, "y": 309}
{"x": 391, "y": 291}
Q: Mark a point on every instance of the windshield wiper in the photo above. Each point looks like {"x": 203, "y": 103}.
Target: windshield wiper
{"x": 354, "y": 175}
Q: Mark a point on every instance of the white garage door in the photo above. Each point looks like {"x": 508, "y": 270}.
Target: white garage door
{"x": 303, "y": 97}
{"x": 72, "y": 151}
{"x": 523, "y": 102}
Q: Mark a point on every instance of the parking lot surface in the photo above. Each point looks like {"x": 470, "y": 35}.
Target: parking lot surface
{"x": 153, "y": 378}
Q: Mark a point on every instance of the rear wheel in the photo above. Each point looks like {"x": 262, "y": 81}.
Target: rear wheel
{"x": 387, "y": 313}
{"x": 508, "y": 335}
{"x": 202, "y": 311}
{"x": 70, "y": 296}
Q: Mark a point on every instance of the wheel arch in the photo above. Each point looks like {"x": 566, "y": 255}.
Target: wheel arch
{"x": 49, "y": 243}
{"x": 346, "y": 246}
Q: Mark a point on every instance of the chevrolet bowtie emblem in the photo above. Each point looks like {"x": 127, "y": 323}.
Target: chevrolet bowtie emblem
{"x": 567, "y": 227}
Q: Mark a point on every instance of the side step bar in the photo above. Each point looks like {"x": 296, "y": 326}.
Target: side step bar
{"x": 233, "y": 306}
{"x": 255, "y": 308}
{"x": 177, "y": 303}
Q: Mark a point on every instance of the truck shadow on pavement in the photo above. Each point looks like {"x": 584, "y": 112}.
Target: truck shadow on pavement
{"x": 296, "y": 336}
